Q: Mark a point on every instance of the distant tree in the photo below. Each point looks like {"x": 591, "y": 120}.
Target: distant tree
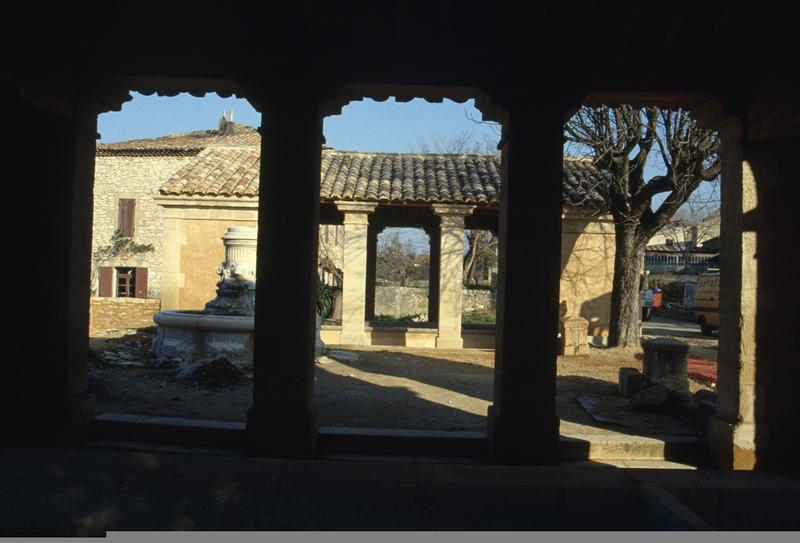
{"x": 481, "y": 256}
{"x": 396, "y": 261}
{"x": 621, "y": 140}
{"x": 462, "y": 143}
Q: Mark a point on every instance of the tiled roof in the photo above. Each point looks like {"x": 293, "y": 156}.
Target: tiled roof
{"x": 188, "y": 143}
{"x": 380, "y": 177}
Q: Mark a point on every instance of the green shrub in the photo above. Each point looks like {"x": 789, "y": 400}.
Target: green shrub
{"x": 325, "y": 298}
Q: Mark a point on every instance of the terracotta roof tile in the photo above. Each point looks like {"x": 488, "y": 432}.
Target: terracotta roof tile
{"x": 381, "y": 177}
{"x": 188, "y": 143}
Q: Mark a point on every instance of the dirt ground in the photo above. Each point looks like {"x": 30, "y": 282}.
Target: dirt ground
{"x": 386, "y": 387}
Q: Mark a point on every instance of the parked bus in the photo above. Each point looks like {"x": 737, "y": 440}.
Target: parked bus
{"x": 706, "y": 310}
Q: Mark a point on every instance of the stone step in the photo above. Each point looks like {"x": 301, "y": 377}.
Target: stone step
{"x": 602, "y": 447}
{"x": 402, "y": 442}
{"x": 406, "y": 443}
{"x": 168, "y": 431}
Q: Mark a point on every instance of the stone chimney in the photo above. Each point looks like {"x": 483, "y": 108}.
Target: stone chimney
{"x": 226, "y": 125}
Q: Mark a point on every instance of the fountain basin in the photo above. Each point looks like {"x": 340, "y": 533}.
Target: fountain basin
{"x": 194, "y": 335}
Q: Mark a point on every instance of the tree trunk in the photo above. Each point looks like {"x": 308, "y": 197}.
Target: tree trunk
{"x": 625, "y": 298}
{"x": 469, "y": 263}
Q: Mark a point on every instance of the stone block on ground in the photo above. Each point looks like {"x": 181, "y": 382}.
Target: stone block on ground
{"x": 343, "y": 356}
{"x": 631, "y": 381}
{"x": 574, "y": 333}
{"x": 654, "y": 398}
{"x": 666, "y": 363}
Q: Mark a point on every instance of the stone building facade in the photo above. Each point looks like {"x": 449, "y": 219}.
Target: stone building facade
{"x": 134, "y": 171}
{"x": 132, "y": 174}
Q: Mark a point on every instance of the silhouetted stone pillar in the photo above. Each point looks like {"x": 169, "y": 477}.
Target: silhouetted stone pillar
{"x": 433, "y": 273}
{"x": 45, "y": 376}
{"x": 523, "y": 426}
{"x": 282, "y": 421}
{"x": 451, "y": 273}
{"x": 372, "y": 270}
{"x": 735, "y": 430}
{"x": 354, "y": 270}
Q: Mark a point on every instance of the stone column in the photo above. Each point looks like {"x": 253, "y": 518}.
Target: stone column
{"x": 354, "y": 270}
{"x": 523, "y": 426}
{"x": 451, "y": 273}
{"x": 282, "y": 421}
{"x": 433, "y": 273}
{"x": 733, "y": 431}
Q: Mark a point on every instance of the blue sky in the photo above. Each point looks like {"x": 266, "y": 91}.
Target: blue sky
{"x": 364, "y": 125}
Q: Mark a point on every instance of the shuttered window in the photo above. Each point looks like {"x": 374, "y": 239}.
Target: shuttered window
{"x": 126, "y": 283}
{"x": 131, "y": 282}
{"x": 107, "y": 282}
{"x": 127, "y": 214}
{"x": 140, "y": 276}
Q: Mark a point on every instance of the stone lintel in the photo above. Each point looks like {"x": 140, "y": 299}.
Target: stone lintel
{"x": 452, "y": 209}
{"x": 349, "y": 208}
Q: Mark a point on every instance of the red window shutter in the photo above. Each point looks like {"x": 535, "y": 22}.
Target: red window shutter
{"x": 107, "y": 282}
{"x": 141, "y": 282}
{"x": 127, "y": 213}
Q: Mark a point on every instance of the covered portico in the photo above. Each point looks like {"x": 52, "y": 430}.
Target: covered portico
{"x": 443, "y": 194}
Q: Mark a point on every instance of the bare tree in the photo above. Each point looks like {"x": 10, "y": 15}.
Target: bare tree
{"x": 462, "y": 143}
{"x": 396, "y": 261}
{"x": 621, "y": 140}
{"x": 481, "y": 255}
{"x": 330, "y": 252}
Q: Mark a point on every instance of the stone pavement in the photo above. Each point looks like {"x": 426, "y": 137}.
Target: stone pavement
{"x": 88, "y": 492}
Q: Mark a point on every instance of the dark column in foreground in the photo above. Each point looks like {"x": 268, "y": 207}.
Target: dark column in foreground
{"x": 282, "y": 421}
{"x": 372, "y": 255}
{"x": 523, "y": 426}
{"x": 434, "y": 234}
{"x": 49, "y": 216}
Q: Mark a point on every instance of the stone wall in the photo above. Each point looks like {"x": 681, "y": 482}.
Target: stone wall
{"x": 587, "y": 269}
{"x": 476, "y": 299}
{"x": 397, "y": 301}
{"x": 120, "y": 313}
{"x": 201, "y": 257}
{"x": 137, "y": 177}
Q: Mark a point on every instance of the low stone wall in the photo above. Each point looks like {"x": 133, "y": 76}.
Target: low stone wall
{"x": 119, "y": 313}
{"x": 399, "y": 301}
{"x": 477, "y": 299}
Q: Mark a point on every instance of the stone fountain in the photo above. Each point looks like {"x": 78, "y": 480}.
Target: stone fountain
{"x": 225, "y": 326}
